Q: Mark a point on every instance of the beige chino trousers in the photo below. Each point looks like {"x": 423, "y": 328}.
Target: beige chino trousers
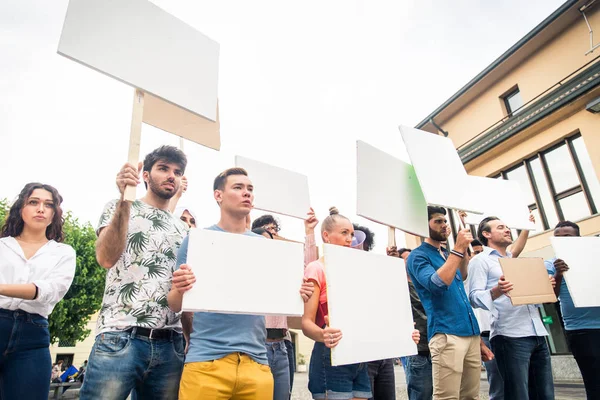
{"x": 456, "y": 366}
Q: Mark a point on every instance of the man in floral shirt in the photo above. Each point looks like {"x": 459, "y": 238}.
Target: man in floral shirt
{"x": 139, "y": 345}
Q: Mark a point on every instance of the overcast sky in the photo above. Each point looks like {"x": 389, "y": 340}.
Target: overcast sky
{"x": 299, "y": 83}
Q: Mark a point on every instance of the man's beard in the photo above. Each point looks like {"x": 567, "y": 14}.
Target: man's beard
{"x": 159, "y": 191}
{"x": 438, "y": 237}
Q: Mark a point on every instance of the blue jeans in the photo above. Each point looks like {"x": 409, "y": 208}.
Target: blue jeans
{"x": 121, "y": 363}
{"x": 280, "y": 368}
{"x": 419, "y": 379}
{"x": 342, "y": 382}
{"x": 383, "y": 381}
{"x": 289, "y": 346}
{"x": 524, "y": 364}
{"x": 493, "y": 375}
{"x": 25, "y": 364}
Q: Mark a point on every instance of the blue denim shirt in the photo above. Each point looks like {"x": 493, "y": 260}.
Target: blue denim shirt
{"x": 447, "y": 307}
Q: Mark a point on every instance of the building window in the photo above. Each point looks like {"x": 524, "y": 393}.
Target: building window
{"x": 513, "y": 102}
{"x": 559, "y": 183}
{"x": 66, "y": 343}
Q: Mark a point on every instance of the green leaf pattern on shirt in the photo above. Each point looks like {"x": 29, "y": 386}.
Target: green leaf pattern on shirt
{"x": 137, "y": 286}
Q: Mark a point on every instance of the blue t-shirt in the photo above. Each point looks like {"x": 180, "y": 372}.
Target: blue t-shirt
{"x": 448, "y": 308}
{"x": 573, "y": 317}
{"x": 217, "y": 335}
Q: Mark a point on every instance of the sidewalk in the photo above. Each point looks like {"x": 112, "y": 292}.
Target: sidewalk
{"x": 563, "y": 391}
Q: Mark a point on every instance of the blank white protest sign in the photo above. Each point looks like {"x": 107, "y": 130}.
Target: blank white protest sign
{"x": 581, "y": 255}
{"x": 369, "y": 301}
{"x": 503, "y": 199}
{"x": 441, "y": 174}
{"x": 388, "y": 192}
{"x": 243, "y": 274}
{"x": 143, "y": 46}
{"x": 277, "y": 189}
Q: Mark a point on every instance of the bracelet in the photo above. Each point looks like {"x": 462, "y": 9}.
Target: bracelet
{"x": 36, "y": 292}
{"x": 457, "y": 253}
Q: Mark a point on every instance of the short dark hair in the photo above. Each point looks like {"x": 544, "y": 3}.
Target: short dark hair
{"x": 14, "y": 224}
{"x": 261, "y": 231}
{"x": 220, "y": 180}
{"x": 265, "y": 220}
{"x": 170, "y": 154}
{"x": 484, "y": 226}
{"x": 568, "y": 224}
{"x": 432, "y": 210}
{"x": 403, "y": 250}
{"x": 369, "y": 236}
{"x": 476, "y": 242}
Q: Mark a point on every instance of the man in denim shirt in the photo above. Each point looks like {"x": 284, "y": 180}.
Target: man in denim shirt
{"x": 452, "y": 328}
{"x": 582, "y": 324}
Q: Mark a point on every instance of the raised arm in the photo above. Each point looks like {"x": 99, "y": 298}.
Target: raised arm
{"x": 310, "y": 245}
{"x": 112, "y": 238}
{"x": 175, "y": 199}
{"x": 519, "y": 244}
{"x": 447, "y": 272}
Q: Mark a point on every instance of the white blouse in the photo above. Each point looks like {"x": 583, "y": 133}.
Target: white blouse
{"x": 51, "y": 269}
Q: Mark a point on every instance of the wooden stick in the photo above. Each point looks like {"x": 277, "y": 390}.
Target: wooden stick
{"x": 134, "y": 139}
{"x": 462, "y": 226}
{"x": 181, "y": 143}
{"x": 391, "y": 237}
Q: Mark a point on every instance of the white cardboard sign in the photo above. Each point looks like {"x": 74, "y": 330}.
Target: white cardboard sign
{"x": 441, "y": 174}
{"x": 241, "y": 274}
{"x": 382, "y": 297}
{"x": 388, "y": 192}
{"x": 276, "y": 189}
{"x": 142, "y": 45}
{"x": 581, "y": 255}
{"x": 503, "y": 199}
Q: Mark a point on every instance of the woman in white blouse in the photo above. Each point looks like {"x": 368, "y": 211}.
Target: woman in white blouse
{"x": 36, "y": 270}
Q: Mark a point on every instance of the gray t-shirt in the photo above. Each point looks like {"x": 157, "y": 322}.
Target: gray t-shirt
{"x": 217, "y": 335}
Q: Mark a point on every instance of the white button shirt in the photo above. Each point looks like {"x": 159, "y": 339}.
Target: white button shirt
{"x": 507, "y": 320}
{"x": 51, "y": 269}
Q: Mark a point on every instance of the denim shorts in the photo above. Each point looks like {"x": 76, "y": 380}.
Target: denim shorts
{"x": 341, "y": 382}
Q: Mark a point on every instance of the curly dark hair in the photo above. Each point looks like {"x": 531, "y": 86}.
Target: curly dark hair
{"x": 370, "y": 236}
{"x": 264, "y": 220}
{"x": 14, "y": 222}
{"x": 170, "y": 154}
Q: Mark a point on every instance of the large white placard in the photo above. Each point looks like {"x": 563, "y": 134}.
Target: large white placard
{"x": 140, "y": 44}
{"x": 276, "y": 189}
{"x": 388, "y": 192}
{"x": 503, "y": 199}
{"x": 243, "y": 274}
{"x": 581, "y": 255}
{"x": 365, "y": 285}
{"x": 441, "y": 174}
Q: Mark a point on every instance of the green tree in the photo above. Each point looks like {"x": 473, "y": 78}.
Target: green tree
{"x": 70, "y": 316}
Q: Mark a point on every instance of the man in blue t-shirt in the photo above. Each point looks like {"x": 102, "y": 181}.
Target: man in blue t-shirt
{"x": 454, "y": 341}
{"x": 227, "y": 357}
{"x": 582, "y": 324}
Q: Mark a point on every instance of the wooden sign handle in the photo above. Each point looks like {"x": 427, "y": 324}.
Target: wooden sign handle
{"x": 134, "y": 139}
{"x": 462, "y": 226}
{"x": 391, "y": 237}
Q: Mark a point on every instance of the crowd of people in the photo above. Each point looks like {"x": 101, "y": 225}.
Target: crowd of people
{"x": 146, "y": 347}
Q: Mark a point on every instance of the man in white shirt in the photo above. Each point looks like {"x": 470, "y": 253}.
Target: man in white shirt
{"x": 517, "y": 332}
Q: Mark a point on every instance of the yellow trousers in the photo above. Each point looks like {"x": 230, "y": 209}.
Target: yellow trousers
{"x": 233, "y": 377}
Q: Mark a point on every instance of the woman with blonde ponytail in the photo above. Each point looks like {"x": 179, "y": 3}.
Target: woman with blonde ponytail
{"x": 325, "y": 380}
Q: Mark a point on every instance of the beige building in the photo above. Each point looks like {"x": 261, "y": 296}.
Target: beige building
{"x": 533, "y": 116}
